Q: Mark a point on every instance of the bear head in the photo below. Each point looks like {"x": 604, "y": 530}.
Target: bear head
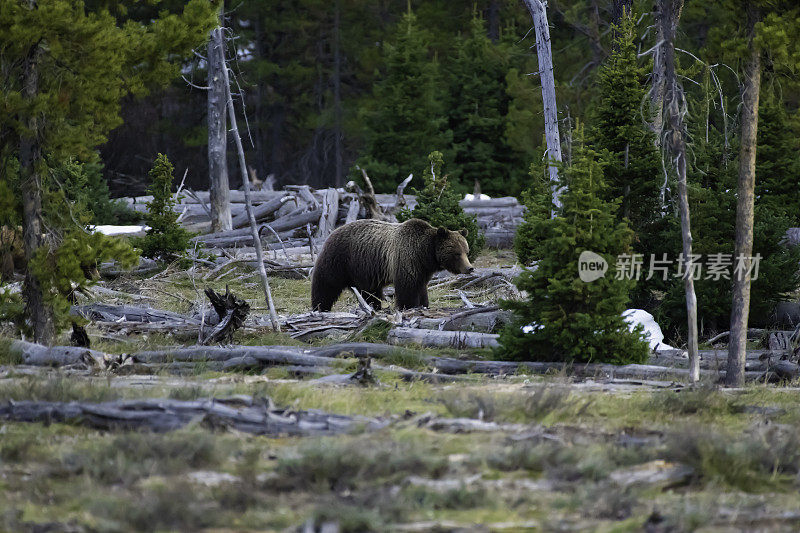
{"x": 452, "y": 251}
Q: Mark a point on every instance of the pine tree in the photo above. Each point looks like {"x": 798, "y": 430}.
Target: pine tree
{"x": 405, "y": 120}
{"x": 564, "y": 318}
{"x": 633, "y": 170}
{"x": 477, "y": 113}
{"x": 437, "y": 203}
{"x": 65, "y": 69}
{"x": 166, "y": 238}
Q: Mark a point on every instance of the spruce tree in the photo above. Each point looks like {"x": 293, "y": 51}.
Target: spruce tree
{"x": 437, "y": 203}
{"x": 477, "y": 113}
{"x": 405, "y": 118}
{"x": 633, "y": 166}
{"x": 166, "y": 238}
{"x": 564, "y": 318}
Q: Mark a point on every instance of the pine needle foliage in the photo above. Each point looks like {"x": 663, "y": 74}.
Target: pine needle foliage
{"x": 166, "y": 238}
{"x": 437, "y": 203}
{"x": 405, "y": 116}
{"x": 477, "y": 113}
{"x": 564, "y": 318}
{"x": 68, "y": 262}
{"x": 633, "y": 165}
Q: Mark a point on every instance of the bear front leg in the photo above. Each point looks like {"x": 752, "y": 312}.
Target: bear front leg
{"x": 423, "y": 296}
{"x": 407, "y": 294}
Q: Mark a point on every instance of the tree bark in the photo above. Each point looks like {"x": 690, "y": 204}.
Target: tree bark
{"x": 38, "y": 312}
{"x": 676, "y": 144}
{"x": 273, "y": 316}
{"x": 744, "y": 206}
{"x": 663, "y": 21}
{"x": 217, "y": 136}
{"x": 545, "y": 55}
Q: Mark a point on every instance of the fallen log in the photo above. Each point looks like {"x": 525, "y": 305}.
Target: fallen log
{"x": 261, "y": 211}
{"x": 291, "y": 221}
{"x": 452, "y": 339}
{"x": 257, "y": 416}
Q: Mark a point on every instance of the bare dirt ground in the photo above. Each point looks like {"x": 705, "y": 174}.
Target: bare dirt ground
{"x": 270, "y": 449}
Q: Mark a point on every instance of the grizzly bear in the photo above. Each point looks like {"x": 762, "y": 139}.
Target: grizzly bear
{"x": 370, "y": 254}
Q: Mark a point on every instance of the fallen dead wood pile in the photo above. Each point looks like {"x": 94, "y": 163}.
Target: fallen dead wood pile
{"x": 284, "y": 214}
{"x": 242, "y": 413}
{"x": 324, "y": 359}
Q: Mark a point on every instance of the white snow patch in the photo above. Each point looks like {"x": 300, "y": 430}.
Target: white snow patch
{"x": 471, "y": 197}
{"x": 652, "y": 331}
{"x": 530, "y": 328}
{"x": 118, "y": 230}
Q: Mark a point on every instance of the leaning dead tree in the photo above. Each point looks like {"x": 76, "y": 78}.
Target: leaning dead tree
{"x": 246, "y": 186}
{"x": 545, "y": 55}
{"x": 217, "y": 136}
{"x": 674, "y": 106}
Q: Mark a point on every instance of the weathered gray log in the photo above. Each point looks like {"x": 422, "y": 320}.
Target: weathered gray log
{"x": 452, "y": 339}
{"x": 261, "y": 211}
{"x": 242, "y": 413}
{"x": 37, "y": 355}
{"x": 129, "y": 313}
{"x": 282, "y": 224}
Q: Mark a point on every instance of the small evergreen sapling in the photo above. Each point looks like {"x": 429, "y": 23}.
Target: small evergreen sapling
{"x": 563, "y": 317}
{"x": 165, "y": 238}
{"x": 438, "y": 204}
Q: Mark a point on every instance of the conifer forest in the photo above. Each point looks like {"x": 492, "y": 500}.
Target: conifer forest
{"x": 402, "y": 266}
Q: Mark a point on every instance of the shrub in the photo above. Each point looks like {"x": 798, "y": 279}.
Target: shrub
{"x": 165, "y": 238}
{"x": 438, "y": 204}
{"x": 563, "y": 317}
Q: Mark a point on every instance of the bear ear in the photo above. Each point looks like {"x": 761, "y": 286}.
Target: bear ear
{"x": 441, "y": 232}
{"x": 464, "y": 232}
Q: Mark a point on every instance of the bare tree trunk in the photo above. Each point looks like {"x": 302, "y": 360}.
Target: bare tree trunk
{"x": 675, "y": 105}
{"x": 659, "y": 74}
{"x": 217, "y": 138}
{"x": 740, "y": 309}
{"x": 337, "y": 95}
{"x": 273, "y": 316}
{"x": 539, "y": 15}
{"x": 38, "y": 313}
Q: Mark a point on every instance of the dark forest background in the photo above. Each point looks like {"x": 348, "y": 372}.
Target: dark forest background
{"x": 287, "y": 55}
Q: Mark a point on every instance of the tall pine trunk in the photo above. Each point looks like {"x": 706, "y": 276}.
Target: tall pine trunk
{"x": 217, "y": 136}
{"x": 547, "y": 78}
{"x": 38, "y": 313}
{"x": 740, "y": 309}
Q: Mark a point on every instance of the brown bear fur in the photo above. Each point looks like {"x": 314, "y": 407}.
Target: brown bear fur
{"x": 370, "y": 254}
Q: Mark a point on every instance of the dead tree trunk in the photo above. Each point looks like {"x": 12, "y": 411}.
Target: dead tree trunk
{"x": 676, "y": 144}
{"x": 38, "y": 313}
{"x": 539, "y": 14}
{"x": 217, "y": 140}
{"x": 273, "y": 316}
{"x": 744, "y": 206}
